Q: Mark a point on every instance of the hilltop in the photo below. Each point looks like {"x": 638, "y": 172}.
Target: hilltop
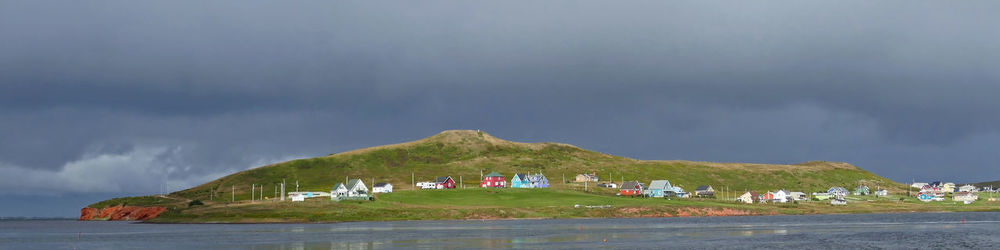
{"x": 465, "y": 154}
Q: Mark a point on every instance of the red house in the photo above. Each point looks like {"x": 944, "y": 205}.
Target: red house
{"x": 444, "y": 182}
{"x": 495, "y": 180}
{"x": 766, "y": 197}
{"x": 631, "y": 188}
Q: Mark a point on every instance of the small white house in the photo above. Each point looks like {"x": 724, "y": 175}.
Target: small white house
{"x": 382, "y": 187}
{"x": 781, "y": 196}
{"x": 748, "y": 197}
{"x": 338, "y": 190}
{"x": 798, "y": 196}
{"x": 967, "y": 197}
{"x": 357, "y": 188}
{"x": 298, "y": 197}
{"x": 427, "y": 185}
{"x": 881, "y": 192}
{"x": 967, "y": 188}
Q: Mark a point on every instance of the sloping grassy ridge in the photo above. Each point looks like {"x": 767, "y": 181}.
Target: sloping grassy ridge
{"x": 466, "y": 153}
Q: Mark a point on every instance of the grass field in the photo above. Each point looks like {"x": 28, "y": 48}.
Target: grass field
{"x": 477, "y": 203}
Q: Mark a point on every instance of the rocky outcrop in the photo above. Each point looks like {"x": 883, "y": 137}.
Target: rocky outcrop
{"x": 121, "y": 213}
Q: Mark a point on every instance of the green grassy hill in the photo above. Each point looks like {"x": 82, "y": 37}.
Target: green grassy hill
{"x": 465, "y": 154}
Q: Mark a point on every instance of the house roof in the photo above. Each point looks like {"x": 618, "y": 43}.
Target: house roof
{"x": 494, "y": 174}
{"x": 442, "y": 179}
{"x": 354, "y": 183}
{"x": 335, "y": 187}
{"x": 521, "y": 176}
{"x": 381, "y": 184}
{"x": 703, "y": 188}
{"x": 659, "y": 184}
{"x": 630, "y": 185}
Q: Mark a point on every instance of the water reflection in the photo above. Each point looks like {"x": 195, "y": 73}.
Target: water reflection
{"x": 865, "y": 231}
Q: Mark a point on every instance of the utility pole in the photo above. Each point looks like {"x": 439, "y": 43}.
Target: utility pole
{"x": 461, "y": 182}
{"x": 211, "y": 196}
{"x": 234, "y": 194}
{"x": 282, "y": 189}
{"x": 252, "y": 191}
{"x": 413, "y": 181}
{"x": 296, "y": 186}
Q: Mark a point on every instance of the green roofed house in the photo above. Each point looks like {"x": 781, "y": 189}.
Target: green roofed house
{"x": 862, "y": 190}
{"x": 355, "y": 189}
{"x": 339, "y": 190}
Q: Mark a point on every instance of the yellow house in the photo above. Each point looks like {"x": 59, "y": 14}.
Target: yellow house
{"x": 948, "y": 187}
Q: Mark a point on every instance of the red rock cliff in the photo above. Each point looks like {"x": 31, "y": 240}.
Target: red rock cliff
{"x": 121, "y": 213}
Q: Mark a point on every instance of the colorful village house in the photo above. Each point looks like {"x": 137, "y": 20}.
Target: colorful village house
{"x": 968, "y": 188}
{"x": 339, "y": 190}
{"x": 444, "y": 182}
{"x": 925, "y": 197}
{"x": 586, "y": 177}
{"x": 704, "y": 191}
{"x": 862, "y": 190}
{"x": 382, "y": 187}
{"x": 781, "y": 196}
{"x": 948, "y": 187}
{"x": 520, "y": 181}
{"x": 538, "y": 181}
{"x": 749, "y": 198}
{"x": 838, "y": 200}
{"x": 427, "y": 185}
{"x": 837, "y": 191}
{"x": 966, "y": 197}
{"x": 659, "y": 189}
{"x": 679, "y": 192}
{"x": 766, "y": 197}
{"x": 631, "y": 188}
{"x": 494, "y": 180}
{"x": 798, "y": 196}
{"x": 356, "y": 188}
{"x": 881, "y": 192}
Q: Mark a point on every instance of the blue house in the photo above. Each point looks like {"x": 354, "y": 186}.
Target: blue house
{"x": 837, "y": 191}
{"x": 538, "y": 181}
{"x": 520, "y": 181}
{"x": 659, "y": 188}
{"x": 925, "y": 197}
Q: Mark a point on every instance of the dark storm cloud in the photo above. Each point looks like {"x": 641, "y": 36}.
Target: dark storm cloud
{"x": 188, "y": 91}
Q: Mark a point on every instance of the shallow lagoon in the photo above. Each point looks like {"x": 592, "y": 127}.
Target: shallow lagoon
{"x": 914, "y": 230}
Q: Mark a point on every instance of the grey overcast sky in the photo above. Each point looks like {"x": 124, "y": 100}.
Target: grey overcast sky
{"x": 107, "y": 98}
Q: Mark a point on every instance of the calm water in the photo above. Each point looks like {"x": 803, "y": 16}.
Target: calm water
{"x": 935, "y": 230}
